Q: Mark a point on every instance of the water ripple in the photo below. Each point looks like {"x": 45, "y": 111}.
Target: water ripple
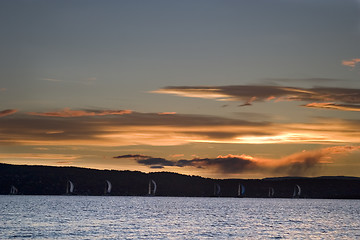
{"x": 81, "y": 217}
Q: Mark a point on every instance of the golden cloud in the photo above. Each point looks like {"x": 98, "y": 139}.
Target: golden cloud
{"x": 342, "y": 107}
{"x": 166, "y": 130}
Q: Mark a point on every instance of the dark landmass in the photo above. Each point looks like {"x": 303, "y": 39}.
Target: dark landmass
{"x": 45, "y": 180}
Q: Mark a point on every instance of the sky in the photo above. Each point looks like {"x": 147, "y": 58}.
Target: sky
{"x": 213, "y": 88}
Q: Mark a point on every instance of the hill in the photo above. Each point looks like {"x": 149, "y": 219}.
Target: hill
{"x": 45, "y": 180}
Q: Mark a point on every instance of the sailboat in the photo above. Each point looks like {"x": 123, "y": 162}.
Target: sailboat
{"x": 152, "y": 188}
{"x": 241, "y": 190}
{"x": 297, "y": 191}
{"x": 13, "y": 190}
{"x": 217, "y": 190}
{"x": 69, "y": 187}
{"x": 271, "y": 192}
{"x": 108, "y": 187}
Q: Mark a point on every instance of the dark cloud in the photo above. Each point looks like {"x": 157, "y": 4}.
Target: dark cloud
{"x": 156, "y": 167}
{"x": 223, "y": 164}
{"x": 258, "y": 93}
{"x": 135, "y": 156}
{"x": 303, "y": 163}
{"x": 308, "y": 164}
{"x": 25, "y": 129}
{"x": 67, "y": 112}
{"x": 155, "y": 161}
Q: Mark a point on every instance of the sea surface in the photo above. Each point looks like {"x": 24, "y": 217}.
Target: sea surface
{"x": 111, "y": 217}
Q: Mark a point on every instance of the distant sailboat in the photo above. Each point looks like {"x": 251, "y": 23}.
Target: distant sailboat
{"x": 271, "y": 192}
{"x": 297, "y": 191}
{"x": 152, "y": 188}
{"x": 13, "y": 190}
{"x": 69, "y": 187}
{"x": 108, "y": 187}
{"x": 217, "y": 190}
{"x": 241, "y": 190}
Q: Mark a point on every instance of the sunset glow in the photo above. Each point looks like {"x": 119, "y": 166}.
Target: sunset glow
{"x": 224, "y": 89}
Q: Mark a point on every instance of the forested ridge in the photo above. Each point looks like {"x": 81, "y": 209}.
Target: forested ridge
{"x": 46, "y": 180}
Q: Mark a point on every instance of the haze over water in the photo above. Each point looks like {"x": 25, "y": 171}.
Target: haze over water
{"x": 84, "y": 217}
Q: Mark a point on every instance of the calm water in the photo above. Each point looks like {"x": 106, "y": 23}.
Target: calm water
{"x": 83, "y": 217}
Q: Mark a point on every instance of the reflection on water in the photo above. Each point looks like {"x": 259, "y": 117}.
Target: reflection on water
{"x": 83, "y": 217}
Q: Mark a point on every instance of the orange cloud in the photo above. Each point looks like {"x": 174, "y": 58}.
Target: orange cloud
{"x": 80, "y": 113}
{"x": 7, "y": 112}
{"x": 300, "y": 161}
{"x": 167, "y": 113}
{"x": 64, "y": 162}
{"x": 342, "y": 107}
{"x": 351, "y": 63}
{"x": 169, "y": 130}
{"x": 38, "y": 156}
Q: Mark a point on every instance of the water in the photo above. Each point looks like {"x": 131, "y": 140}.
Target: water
{"x": 84, "y": 217}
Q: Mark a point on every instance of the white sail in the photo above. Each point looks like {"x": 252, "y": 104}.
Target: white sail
{"x": 271, "y": 192}
{"x": 241, "y": 190}
{"x": 155, "y": 187}
{"x": 69, "y": 187}
{"x": 152, "y": 188}
{"x": 13, "y": 190}
{"x": 217, "y": 189}
{"x": 297, "y": 191}
{"x": 149, "y": 191}
{"x": 108, "y": 187}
